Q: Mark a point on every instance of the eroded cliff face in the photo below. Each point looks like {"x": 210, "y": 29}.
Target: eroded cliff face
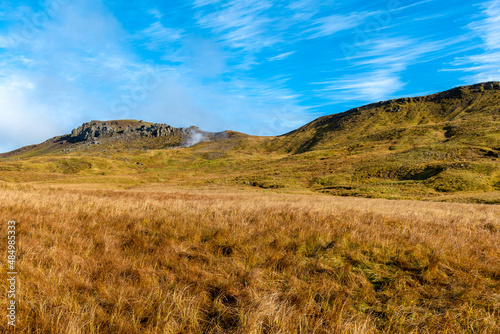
{"x": 97, "y": 130}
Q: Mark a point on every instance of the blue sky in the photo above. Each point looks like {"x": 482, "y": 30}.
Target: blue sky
{"x": 257, "y": 66}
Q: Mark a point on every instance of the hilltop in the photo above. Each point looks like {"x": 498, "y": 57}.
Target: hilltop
{"x": 443, "y": 146}
{"x": 455, "y": 115}
{"x": 130, "y": 133}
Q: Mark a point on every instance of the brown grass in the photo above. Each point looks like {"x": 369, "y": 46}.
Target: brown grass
{"x": 187, "y": 261}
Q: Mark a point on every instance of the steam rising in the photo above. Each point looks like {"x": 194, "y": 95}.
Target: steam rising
{"x": 195, "y": 137}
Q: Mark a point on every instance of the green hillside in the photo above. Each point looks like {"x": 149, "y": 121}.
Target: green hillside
{"x": 444, "y": 146}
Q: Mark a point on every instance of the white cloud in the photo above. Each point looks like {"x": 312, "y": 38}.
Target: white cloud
{"x": 371, "y": 86}
{"x": 380, "y": 64}
{"x": 156, "y": 13}
{"x": 489, "y": 28}
{"x": 158, "y": 37}
{"x": 281, "y": 56}
{"x": 241, "y": 24}
{"x": 23, "y": 123}
{"x": 415, "y": 4}
{"x": 329, "y": 25}
{"x": 252, "y": 106}
{"x": 202, "y": 3}
{"x": 485, "y": 66}
{"x": 304, "y": 9}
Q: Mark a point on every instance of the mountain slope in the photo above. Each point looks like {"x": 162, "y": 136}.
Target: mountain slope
{"x": 447, "y": 142}
{"x": 444, "y": 146}
{"x": 99, "y": 135}
{"x": 466, "y": 115}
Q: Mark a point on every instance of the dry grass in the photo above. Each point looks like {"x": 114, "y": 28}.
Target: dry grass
{"x": 180, "y": 261}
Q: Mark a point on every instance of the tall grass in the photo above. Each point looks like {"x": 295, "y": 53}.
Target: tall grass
{"x": 179, "y": 261}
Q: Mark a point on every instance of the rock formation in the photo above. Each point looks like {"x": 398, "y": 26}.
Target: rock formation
{"x": 96, "y": 130}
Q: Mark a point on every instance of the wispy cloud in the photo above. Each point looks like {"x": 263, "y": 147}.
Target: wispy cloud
{"x": 281, "y": 56}
{"x": 329, "y": 25}
{"x": 241, "y": 24}
{"x": 202, "y": 3}
{"x": 253, "y": 107}
{"x": 429, "y": 17}
{"x": 489, "y": 28}
{"x": 371, "y": 86}
{"x": 304, "y": 9}
{"x": 415, "y": 4}
{"x": 381, "y": 64}
{"x": 485, "y": 66}
{"x": 158, "y": 37}
{"x": 254, "y": 25}
{"x": 156, "y": 13}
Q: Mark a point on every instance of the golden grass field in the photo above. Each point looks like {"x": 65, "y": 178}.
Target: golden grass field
{"x": 98, "y": 259}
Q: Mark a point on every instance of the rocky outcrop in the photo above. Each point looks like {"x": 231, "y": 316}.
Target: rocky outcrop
{"x": 96, "y": 130}
{"x": 156, "y": 130}
{"x": 91, "y": 131}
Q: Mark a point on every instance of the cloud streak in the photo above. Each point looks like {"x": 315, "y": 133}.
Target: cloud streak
{"x": 241, "y": 24}
{"x": 329, "y": 25}
{"x": 486, "y": 65}
{"x": 384, "y": 62}
{"x": 282, "y": 56}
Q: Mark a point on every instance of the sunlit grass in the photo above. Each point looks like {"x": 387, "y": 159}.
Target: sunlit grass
{"x": 164, "y": 260}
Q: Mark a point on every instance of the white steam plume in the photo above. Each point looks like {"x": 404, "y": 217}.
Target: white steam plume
{"x": 195, "y": 137}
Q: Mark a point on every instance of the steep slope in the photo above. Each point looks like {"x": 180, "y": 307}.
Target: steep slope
{"x": 467, "y": 115}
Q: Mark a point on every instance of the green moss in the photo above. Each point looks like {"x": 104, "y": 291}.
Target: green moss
{"x": 452, "y": 181}
{"x": 72, "y": 165}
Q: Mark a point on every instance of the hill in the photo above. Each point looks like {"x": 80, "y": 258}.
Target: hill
{"x": 129, "y": 133}
{"x": 449, "y": 142}
{"x": 467, "y": 115}
{"x": 443, "y": 146}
